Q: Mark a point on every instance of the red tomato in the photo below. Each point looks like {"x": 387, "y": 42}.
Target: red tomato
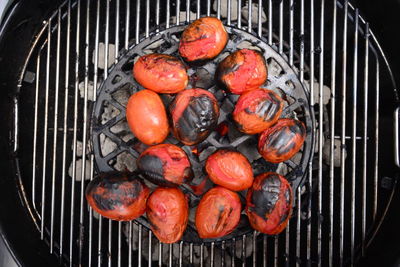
{"x": 243, "y": 70}
{"x": 147, "y": 117}
{"x": 218, "y": 213}
{"x": 165, "y": 165}
{"x": 161, "y": 73}
{"x": 117, "y": 196}
{"x": 194, "y": 114}
{"x": 229, "y": 169}
{"x": 282, "y": 141}
{"x": 168, "y": 212}
{"x": 269, "y": 203}
{"x": 204, "y": 39}
{"x": 257, "y": 110}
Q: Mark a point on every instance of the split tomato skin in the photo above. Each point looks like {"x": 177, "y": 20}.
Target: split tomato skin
{"x": 168, "y": 213}
{"x": 203, "y": 39}
{"x": 165, "y": 165}
{"x": 257, "y": 110}
{"x": 242, "y": 71}
{"x": 229, "y": 169}
{"x": 117, "y": 196}
{"x": 161, "y": 73}
{"x": 194, "y": 114}
{"x": 282, "y": 141}
{"x": 218, "y": 213}
{"x": 269, "y": 203}
{"x": 147, "y": 117}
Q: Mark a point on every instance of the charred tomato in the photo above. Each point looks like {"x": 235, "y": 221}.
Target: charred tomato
{"x": 165, "y": 165}
{"x": 257, "y": 110}
{"x": 117, "y": 196}
{"x": 204, "y": 39}
{"x": 243, "y": 70}
{"x": 269, "y": 203}
{"x": 230, "y": 169}
{"x": 194, "y": 114}
{"x": 147, "y": 117}
{"x": 218, "y": 213}
{"x": 281, "y": 141}
{"x": 161, "y": 73}
{"x": 168, "y": 212}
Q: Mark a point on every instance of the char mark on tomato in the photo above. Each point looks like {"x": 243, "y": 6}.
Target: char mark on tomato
{"x": 265, "y": 198}
{"x": 153, "y": 169}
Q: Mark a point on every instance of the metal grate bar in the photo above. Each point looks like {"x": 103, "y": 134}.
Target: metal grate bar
{"x": 208, "y": 8}
{"x": 375, "y": 193}
{"x": 198, "y": 9}
{"x": 127, "y": 22}
{"x": 159, "y": 254}
{"x": 138, "y": 22}
{"x": 254, "y": 248}
{"x": 343, "y": 134}
{"x": 158, "y": 15}
{"x": 276, "y": 247}
{"x": 244, "y": 250}
{"x": 259, "y": 26}
{"x": 291, "y": 32}
{"x": 212, "y": 254}
{"x": 270, "y": 22}
{"x": 148, "y": 16}
{"x": 233, "y": 247}
{"x": 150, "y": 248}
{"x": 281, "y": 27}
{"x": 191, "y": 253}
{"x": 201, "y": 254}
{"x": 250, "y": 15}
{"x": 265, "y": 251}
{"x": 180, "y": 253}
{"x": 187, "y": 11}
{"x": 168, "y": 15}
{"x": 140, "y": 246}
{"x": 229, "y": 13}
{"x": 218, "y": 9}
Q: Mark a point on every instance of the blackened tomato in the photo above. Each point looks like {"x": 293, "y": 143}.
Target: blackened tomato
{"x": 147, "y": 117}
{"x": 281, "y": 141}
{"x": 257, "y": 110}
{"x": 117, "y": 196}
{"x": 165, "y": 165}
{"x": 229, "y": 169}
{"x": 194, "y": 114}
{"x": 168, "y": 212}
{"x": 218, "y": 213}
{"x": 269, "y": 203}
{"x": 161, "y": 73}
{"x": 243, "y": 70}
{"x": 204, "y": 39}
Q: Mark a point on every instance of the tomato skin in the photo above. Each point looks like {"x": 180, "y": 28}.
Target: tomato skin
{"x": 203, "y": 39}
{"x": 147, "y": 117}
{"x": 168, "y": 213}
{"x": 165, "y": 165}
{"x": 230, "y": 169}
{"x": 257, "y": 110}
{"x": 194, "y": 114}
{"x": 117, "y": 196}
{"x": 161, "y": 73}
{"x": 218, "y": 213}
{"x": 269, "y": 203}
{"x": 242, "y": 71}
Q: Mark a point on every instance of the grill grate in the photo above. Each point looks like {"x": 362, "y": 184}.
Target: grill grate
{"x": 325, "y": 42}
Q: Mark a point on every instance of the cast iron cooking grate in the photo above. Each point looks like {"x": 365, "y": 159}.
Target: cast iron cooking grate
{"x": 77, "y": 68}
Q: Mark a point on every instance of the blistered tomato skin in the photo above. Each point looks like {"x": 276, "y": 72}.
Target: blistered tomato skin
{"x": 147, "y": 117}
{"x": 194, "y": 114}
{"x": 281, "y": 141}
{"x": 165, "y": 165}
{"x": 202, "y": 40}
{"x": 117, "y": 196}
{"x": 168, "y": 212}
{"x": 257, "y": 110}
{"x": 218, "y": 213}
{"x": 269, "y": 203}
{"x": 161, "y": 73}
{"x": 242, "y": 71}
{"x": 230, "y": 169}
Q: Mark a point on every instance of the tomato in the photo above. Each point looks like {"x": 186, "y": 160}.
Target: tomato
{"x": 282, "y": 141}
{"x": 165, "y": 165}
{"x": 218, "y": 213}
{"x": 147, "y": 117}
{"x": 203, "y": 39}
{"x": 117, "y": 196}
{"x": 257, "y": 110}
{"x": 229, "y": 169}
{"x": 161, "y": 73}
{"x": 194, "y": 114}
{"x": 243, "y": 70}
{"x": 269, "y": 203}
{"x": 168, "y": 213}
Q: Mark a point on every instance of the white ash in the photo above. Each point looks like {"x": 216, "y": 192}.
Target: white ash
{"x": 78, "y": 170}
{"x": 254, "y": 14}
{"x": 224, "y": 9}
{"x": 79, "y": 148}
{"x": 122, "y": 96}
{"x": 109, "y": 112}
{"x": 125, "y": 161}
{"x": 151, "y": 48}
{"x": 182, "y": 17}
{"x": 206, "y": 80}
{"x": 326, "y": 152}
{"x": 325, "y": 89}
{"x": 90, "y": 90}
{"x": 248, "y": 45}
{"x": 107, "y": 145}
{"x": 274, "y": 69}
{"x": 101, "y": 55}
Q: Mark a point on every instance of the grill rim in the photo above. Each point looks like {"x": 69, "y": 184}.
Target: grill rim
{"x": 14, "y": 146}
